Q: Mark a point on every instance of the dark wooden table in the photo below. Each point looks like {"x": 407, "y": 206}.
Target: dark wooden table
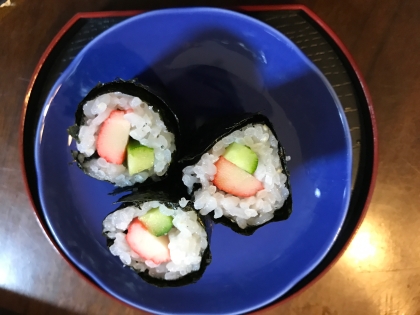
{"x": 379, "y": 273}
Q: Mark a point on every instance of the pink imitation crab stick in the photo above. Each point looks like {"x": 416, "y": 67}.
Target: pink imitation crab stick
{"x": 234, "y": 180}
{"x": 146, "y": 245}
{"x": 113, "y": 138}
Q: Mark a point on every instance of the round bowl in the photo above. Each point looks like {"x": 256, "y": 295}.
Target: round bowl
{"x": 211, "y": 62}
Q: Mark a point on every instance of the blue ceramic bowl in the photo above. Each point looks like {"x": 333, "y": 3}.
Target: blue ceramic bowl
{"x": 211, "y": 62}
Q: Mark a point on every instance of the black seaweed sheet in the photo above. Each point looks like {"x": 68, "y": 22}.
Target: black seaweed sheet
{"x": 171, "y": 201}
{"x": 146, "y": 94}
{"x": 210, "y": 133}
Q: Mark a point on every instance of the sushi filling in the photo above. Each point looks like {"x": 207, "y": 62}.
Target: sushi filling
{"x": 145, "y": 127}
{"x": 187, "y": 241}
{"x": 253, "y": 209}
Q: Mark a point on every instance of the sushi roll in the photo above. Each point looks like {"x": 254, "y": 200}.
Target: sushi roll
{"x": 163, "y": 240}
{"x": 240, "y": 175}
{"x": 125, "y": 134}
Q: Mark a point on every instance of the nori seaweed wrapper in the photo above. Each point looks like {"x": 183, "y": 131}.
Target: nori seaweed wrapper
{"x": 212, "y": 132}
{"x": 171, "y": 201}
{"x": 146, "y": 94}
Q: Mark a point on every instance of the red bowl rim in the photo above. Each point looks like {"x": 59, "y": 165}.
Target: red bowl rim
{"x": 103, "y": 14}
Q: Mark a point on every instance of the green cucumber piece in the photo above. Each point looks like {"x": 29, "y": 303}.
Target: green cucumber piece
{"x": 156, "y": 222}
{"x": 139, "y": 157}
{"x": 242, "y": 156}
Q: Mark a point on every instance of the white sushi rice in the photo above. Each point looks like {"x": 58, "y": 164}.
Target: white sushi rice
{"x": 146, "y": 127}
{"x": 187, "y": 241}
{"x": 254, "y": 210}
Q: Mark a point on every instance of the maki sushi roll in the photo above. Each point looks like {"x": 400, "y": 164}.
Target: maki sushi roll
{"x": 240, "y": 174}
{"x": 124, "y": 133}
{"x": 164, "y": 241}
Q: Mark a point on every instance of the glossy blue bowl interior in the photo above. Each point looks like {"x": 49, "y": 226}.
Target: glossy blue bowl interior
{"x": 211, "y": 62}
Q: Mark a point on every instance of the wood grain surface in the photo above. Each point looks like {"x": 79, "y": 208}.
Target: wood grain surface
{"x": 380, "y": 271}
